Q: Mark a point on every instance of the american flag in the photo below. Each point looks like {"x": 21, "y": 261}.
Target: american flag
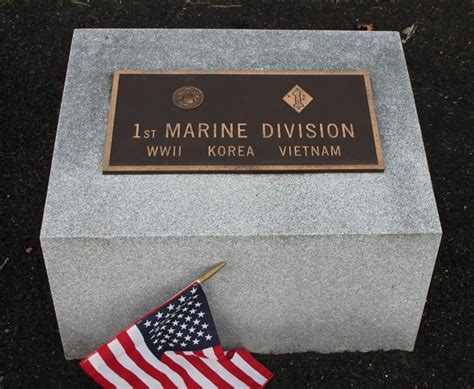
{"x": 174, "y": 346}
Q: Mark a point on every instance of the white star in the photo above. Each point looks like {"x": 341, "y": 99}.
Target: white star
{"x": 187, "y": 318}
{"x": 184, "y": 309}
{"x": 201, "y": 314}
{"x": 147, "y": 323}
{"x": 187, "y": 337}
{"x": 160, "y": 347}
{"x": 183, "y": 344}
{"x": 167, "y": 336}
{"x": 195, "y": 341}
{"x": 192, "y": 330}
{"x": 171, "y": 307}
{"x": 155, "y": 341}
{"x": 155, "y": 324}
{"x": 208, "y": 337}
{"x": 180, "y": 316}
{"x": 175, "y": 323}
{"x": 190, "y": 303}
{"x": 195, "y": 296}
{"x": 200, "y": 333}
{"x": 205, "y": 326}
{"x": 179, "y": 334}
{"x": 182, "y": 299}
{"x": 171, "y": 330}
{"x": 175, "y": 340}
{"x": 171, "y": 344}
{"x": 162, "y": 341}
{"x": 192, "y": 311}
{"x": 193, "y": 290}
{"x": 198, "y": 305}
{"x": 159, "y": 315}
{"x": 184, "y": 326}
{"x": 196, "y": 322}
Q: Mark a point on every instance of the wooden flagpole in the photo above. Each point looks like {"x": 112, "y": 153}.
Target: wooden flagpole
{"x": 210, "y": 273}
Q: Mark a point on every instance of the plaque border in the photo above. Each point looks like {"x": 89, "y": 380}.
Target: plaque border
{"x": 143, "y": 169}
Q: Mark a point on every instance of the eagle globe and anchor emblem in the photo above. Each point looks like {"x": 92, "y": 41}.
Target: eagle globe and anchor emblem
{"x": 188, "y": 97}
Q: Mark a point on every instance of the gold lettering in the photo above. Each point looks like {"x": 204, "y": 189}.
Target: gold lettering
{"x": 229, "y": 130}
{"x": 173, "y": 132}
{"x": 310, "y": 131}
{"x": 188, "y": 131}
{"x": 230, "y": 151}
{"x": 333, "y": 134}
{"x": 149, "y": 134}
{"x": 203, "y": 128}
{"x": 307, "y": 150}
{"x": 137, "y": 131}
{"x": 164, "y": 151}
{"x": 315, "y": 151}
{"x": 321, "y": 132}
{"x": 345, "y": 130}
{"x": 266, "y": 126}
{"x": 152, "y": 150}
{"x": 289, "y": 131}
{"x": 241, "y": 130}
{"x": 336, "y": 151}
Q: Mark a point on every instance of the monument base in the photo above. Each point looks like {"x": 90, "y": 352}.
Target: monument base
{"x": 315, "y": 261}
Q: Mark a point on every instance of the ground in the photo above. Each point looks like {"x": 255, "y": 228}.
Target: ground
{"x": 35, "y": 40}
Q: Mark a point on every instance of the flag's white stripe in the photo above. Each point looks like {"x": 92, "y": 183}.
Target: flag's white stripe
{"x": 105, "y": 371}
{"x": 119, "y": 352}
{"x": 194, "y": 373}
{"x": 148, "y": 356}
{"x": 221, "y": 371}
{"x": 238, "y": 361}
{"x": 209, "y": 353}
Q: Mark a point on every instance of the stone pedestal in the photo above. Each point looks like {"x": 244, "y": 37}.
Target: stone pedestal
{"x": 315, "y": 261}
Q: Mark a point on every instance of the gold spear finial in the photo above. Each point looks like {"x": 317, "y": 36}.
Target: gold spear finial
{"x": 210, "y": 273}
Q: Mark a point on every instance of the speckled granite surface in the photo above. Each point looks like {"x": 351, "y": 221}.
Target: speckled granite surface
{"x": 320, "y": 262}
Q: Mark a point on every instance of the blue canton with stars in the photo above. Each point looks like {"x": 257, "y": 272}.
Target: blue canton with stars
{"x": 183, "y": 324}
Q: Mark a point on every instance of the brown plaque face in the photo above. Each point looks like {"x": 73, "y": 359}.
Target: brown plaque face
{"x": 241, "y": 121}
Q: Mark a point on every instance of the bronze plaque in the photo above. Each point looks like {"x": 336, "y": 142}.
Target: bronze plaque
{"x": 241, "y": 121}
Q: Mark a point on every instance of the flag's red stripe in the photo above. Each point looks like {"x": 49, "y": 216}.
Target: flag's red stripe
{"x": 135, "y": 355}
{"x": 219, "y": 351}
{"x": 96, "y": 376}
{"x": 234, "y": 370}
{"x": 224, "y": 360}
{"x": 190, "y": 383}
{"x": 205, "y": 370}
{"x": 254, "y": 363}
{"x": 127, "y": 375}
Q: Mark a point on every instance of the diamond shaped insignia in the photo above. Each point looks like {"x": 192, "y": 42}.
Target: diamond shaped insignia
{"x": 297, "y": 98}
